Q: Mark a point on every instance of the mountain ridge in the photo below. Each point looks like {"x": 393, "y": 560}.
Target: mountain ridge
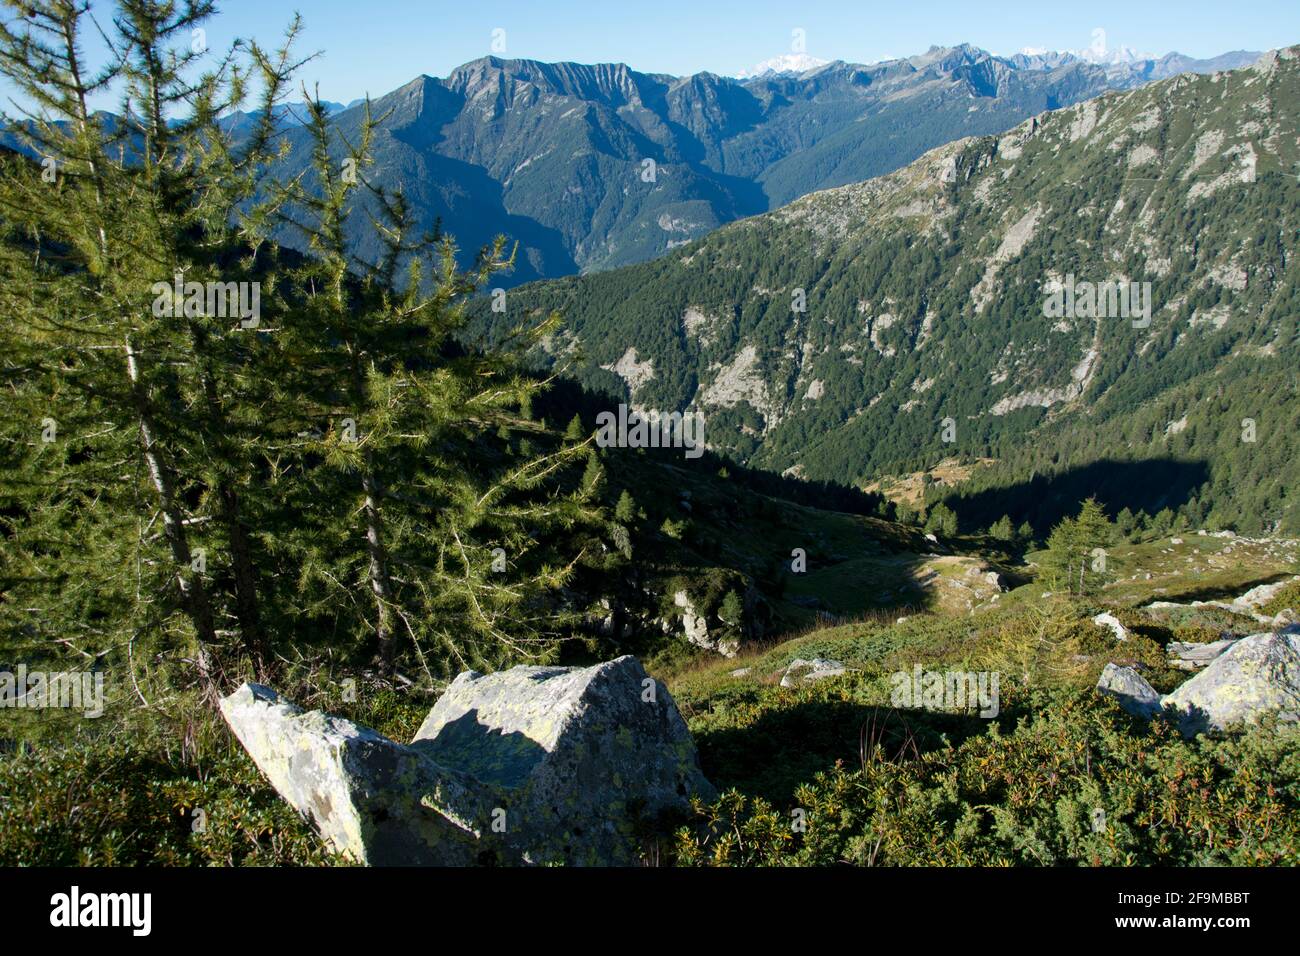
{"x": 592, "y": 166}
{"x": 925, "y": 288}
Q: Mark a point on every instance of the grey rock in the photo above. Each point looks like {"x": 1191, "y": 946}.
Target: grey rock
{"x": 1258, "y": 596}
{"x": 1259, "y": 674}
{"x": 579, "y": 754}
{"x": 696, "y": 628}
{"x": 363, "y": 792}
{"x": 1106, "y": 619}
{"x": 1131, "y": 689}
{"x": 526, "y": 766}
{"x": 803, "y": 671}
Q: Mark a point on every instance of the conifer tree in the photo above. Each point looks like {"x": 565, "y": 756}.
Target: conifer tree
{"x": 625, "y": 509}
{"x": 1002, "y": 529}
{"x": 416, "y": 462}
{"x": 1075, "y": 560}
{"x": 99, "y": 217}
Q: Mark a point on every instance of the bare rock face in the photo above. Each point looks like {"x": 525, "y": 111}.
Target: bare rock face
{"x": 526, "y": 766}
{"x": 1259, "y": 674}
{"x": 803, "y": 671}
{"x": 695, "y": 626}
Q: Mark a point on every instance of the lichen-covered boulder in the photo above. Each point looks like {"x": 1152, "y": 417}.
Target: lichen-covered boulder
{"x": 366, "y": 795}
{"x": 580, "y": 756}
{"x": 1259, "y": 674}
{"x": 528, "y": 765}
{"x": 1130, "y": 689}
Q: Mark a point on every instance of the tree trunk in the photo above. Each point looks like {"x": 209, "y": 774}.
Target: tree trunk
{"x": 193, "y": 593}
{"x": 380, "y": 583}
{"x": 247, "y": 605}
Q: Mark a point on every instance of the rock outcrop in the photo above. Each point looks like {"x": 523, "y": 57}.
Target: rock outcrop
{"x": 533, "y": 765}
{"x": 1189, "y": 656}
{"x": 1258, "y": 675}
{"x": 695, "y": 627}
{"x": 363, "y": 792}
{"x": 578, "y": 753}
{"x": 1108, "y": 620}
{"x": 1251, "y": 678}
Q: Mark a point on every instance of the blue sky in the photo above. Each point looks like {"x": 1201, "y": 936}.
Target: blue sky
{"x": 376, "y": 45}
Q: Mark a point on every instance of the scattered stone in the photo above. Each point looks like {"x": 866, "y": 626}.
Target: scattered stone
{"x": 1106, "y": 619}
{"x": 1190, "y": 656}
{"x": 740, "y": 672}
{"x": 803, "y": 671}
{"x": 1257, "y": 597}
{"x": 1259, "y": 674}
{"x": 532, "y": 765}
{"x": 1130, "y": 689}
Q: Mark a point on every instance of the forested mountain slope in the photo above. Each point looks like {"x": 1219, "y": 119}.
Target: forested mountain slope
{"x": 886, "y": 325}
{"x": 596, "y": 166}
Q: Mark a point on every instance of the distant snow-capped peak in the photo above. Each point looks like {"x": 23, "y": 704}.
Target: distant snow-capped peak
{"x": 787, "y": 63}
{"x": 1098, "y": 52}
{"x": 1105, "y": 57}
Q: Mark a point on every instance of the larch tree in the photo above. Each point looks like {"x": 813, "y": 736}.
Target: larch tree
{"x": 433, "y": 487}
{"x": 110, "y": 224}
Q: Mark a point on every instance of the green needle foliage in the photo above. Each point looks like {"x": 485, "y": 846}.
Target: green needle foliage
{"x": 1075, "y": 560}
{"x": 420, "y": 491}
{"x": 218, "y": 456}
{"x": 139, "y": 383}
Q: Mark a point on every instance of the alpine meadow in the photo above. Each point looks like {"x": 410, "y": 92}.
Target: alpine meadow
{"x": 559, "y": 463}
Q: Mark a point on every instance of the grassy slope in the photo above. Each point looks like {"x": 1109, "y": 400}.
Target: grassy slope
{"x": 772, "y": 743}
{"x": 876, "y": 785}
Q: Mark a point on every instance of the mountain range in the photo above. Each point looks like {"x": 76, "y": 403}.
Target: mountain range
{"x": 939, "y": 311}
{"x": 591, "y": 167}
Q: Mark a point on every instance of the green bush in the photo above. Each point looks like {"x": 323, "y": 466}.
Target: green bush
{"x": 1287, "y": 599}
{"x": 1076, "y": 783}
{"x": 120, "y": 804}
